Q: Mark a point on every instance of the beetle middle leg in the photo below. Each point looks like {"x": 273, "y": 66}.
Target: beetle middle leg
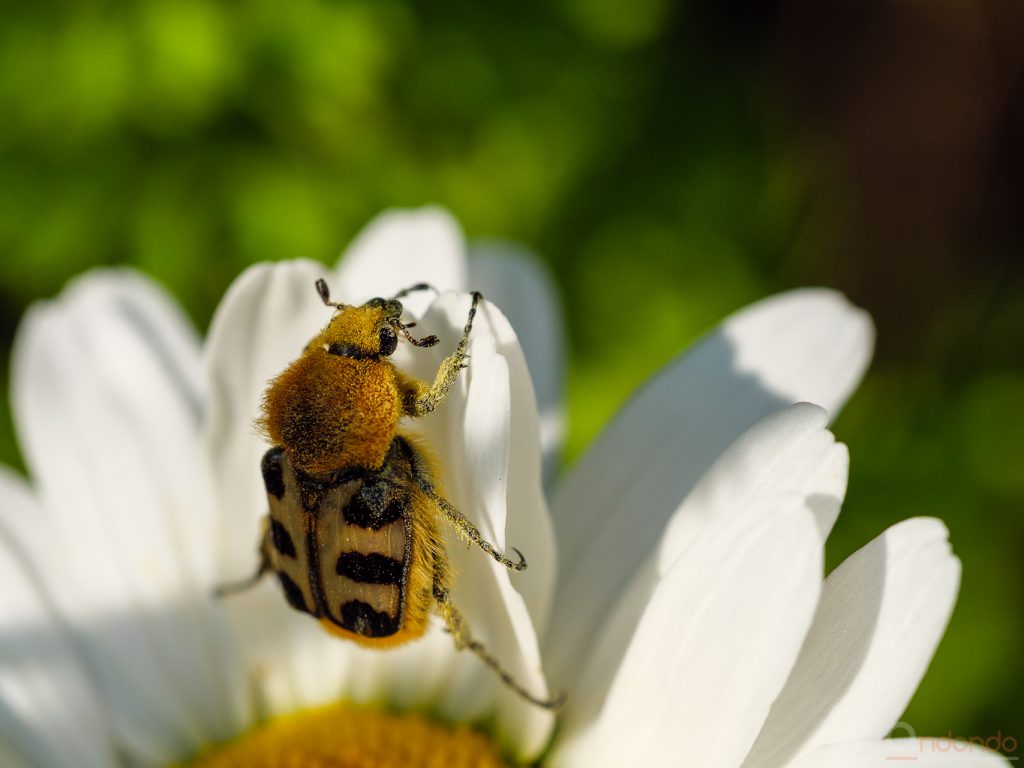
{"x": 422, "y": 476}
{"x": 471, "y": 533}
{"x": 234, "y": 587}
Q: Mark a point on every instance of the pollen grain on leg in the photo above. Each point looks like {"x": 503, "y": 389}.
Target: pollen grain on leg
{"x": 341, "y": 736}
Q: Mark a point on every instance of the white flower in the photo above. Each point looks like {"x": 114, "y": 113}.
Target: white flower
{"x": 683, "y": 612}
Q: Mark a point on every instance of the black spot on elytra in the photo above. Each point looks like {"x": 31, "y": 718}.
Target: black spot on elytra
{"x": 370, "y": 569}
{"x": 363, "y": 619}
{"x": 375, "y": 506}
{"x": 281, "y": 539}
{"x": 273, "y": 472}
{"x": 292, "y": 593}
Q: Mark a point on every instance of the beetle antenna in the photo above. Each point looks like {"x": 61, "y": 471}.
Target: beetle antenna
{"x": 426, "y": 341}
{"x": 325, "y": 294}
{"x": 413, "y": 288}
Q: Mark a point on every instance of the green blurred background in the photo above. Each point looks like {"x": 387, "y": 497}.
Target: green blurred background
{"x": 678, "y": 158}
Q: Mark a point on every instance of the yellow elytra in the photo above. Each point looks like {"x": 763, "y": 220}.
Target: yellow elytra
{"x": 352, "y": 532}
{"x": 362, "y": 552}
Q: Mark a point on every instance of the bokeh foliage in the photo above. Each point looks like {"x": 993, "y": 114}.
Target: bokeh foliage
{"x": 671, "y": 162}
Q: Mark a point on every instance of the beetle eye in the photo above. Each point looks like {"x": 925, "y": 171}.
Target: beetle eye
{"x": 388, "y": 341}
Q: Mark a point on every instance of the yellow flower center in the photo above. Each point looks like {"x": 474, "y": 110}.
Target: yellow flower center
{"x": 341, "y": 736}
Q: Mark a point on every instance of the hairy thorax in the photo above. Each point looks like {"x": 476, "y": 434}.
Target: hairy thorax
{"x": 330, "y": 412}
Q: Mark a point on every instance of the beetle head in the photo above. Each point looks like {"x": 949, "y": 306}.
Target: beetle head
{"x": 371, "y": 329}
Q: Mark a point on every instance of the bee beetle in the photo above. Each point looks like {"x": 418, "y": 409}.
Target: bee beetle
{"x": 352, "y": 531}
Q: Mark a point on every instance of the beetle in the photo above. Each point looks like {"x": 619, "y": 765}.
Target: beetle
{"x": 353, "y": 528}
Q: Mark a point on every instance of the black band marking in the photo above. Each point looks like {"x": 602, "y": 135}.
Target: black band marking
{"x": 313, "y": 554}
{"x": 281, "y": 539}
{"x": 362, "y": 619}
{"x": 273, "y": 472}
{"x": 292, "y": 593}
{"x": 370, "y": 569}
{"x": 351, "y": 351}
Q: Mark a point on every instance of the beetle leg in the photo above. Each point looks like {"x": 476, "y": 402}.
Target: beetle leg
{"x": 459, "y": 629}
{"x": 470, "y": 533}
{"x": 234, "y": 587}
{"x": 425, "y": 399}
{"x": 422, "y": 476}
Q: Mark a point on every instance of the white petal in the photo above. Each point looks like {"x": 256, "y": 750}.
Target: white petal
{"x": 790, "y": 451}
{"x": 923, "y": 752}
{"x": 105, "y": 392}
{"x": 143, "y": 375}
{"x": 485, "y": 437}
{"x": 49, "y": 714}
{"x": 882, "y": 614}
{"x": 809, "y": 344}
{"x": 400, "y": 248}
{"x": 713, "y": 647}
{"x": 612, "y": 507}
{"x": 515, "y": 280}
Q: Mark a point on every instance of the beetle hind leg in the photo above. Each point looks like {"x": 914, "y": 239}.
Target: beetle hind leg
{"x": 459, "y": 629}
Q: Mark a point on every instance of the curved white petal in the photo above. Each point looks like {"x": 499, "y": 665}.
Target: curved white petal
{"x": 713, "y": 647}
{"x": 511, "y": 277}
{"x": 399, "y": 248}
{"x": 809, "y": 344}
{"x": 106, "y": 399}
{"x": 881, "y": 616}
{"x": 485, "y": 437}
{"x": 923, "y": 752}
{"x": 49, "y": 714}
{"x": 612, "y": 507}
{"x": 788, "y": 452}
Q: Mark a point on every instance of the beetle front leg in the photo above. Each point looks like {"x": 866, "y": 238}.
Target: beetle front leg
{"x": 418, "y": 399}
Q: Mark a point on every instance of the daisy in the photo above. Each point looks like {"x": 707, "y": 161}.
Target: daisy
{"x": 683, "y": 609}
